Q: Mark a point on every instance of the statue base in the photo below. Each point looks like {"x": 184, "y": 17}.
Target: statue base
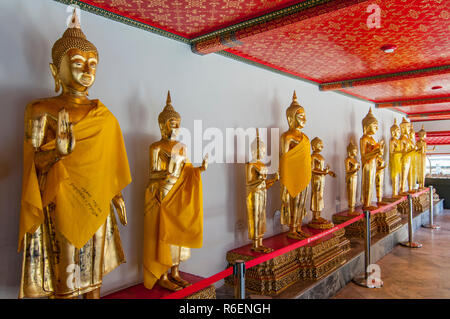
{"x": 140, "y": 292}
{"x": 421, "y": 203}
{"x": 357, "y": 229}
{"x": 312, "y": 261}
{"x": 388, "y": 221}
{"x": 402, "y": 208}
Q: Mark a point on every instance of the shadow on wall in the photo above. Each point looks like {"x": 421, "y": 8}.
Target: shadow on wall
{"x": 137, "y": 145}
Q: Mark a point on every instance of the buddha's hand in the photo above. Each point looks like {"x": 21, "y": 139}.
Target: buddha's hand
{"x": 119, "y": 204}
{"x": 38, "y": 131}
{"x": 65, "y": 139}
{"x": 204, "y": 163}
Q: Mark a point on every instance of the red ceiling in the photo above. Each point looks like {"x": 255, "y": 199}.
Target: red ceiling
{"x": 318, "y": 43}
{"x": 191, "y": 18}
{"x": 413, "y": 88}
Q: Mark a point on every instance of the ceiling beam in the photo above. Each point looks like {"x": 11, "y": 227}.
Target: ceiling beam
{"x": 234, "y": 35}
{"x": 414, "y": 102}
{"x": 431, "y": 116}
{"x": 388, "y": 77}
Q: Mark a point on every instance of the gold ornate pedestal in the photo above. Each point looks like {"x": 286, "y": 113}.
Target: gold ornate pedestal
{"x": 323, "y": 256}
{"x": 422, "y": 202}
{"x": 402, "y": 208}
{"x": 312, "y": 261}
{"x": 388, "y": 221}
{"x": 357, "y": 229}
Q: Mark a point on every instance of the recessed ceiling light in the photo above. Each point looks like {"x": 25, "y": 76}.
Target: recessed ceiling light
{"x": 388, "y": 48}
{"x": 436, "y": 87}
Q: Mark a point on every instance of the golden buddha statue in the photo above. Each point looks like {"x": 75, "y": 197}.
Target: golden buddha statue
{"x": 395, "y": 158}
{"x": 319, "y": 171}
{"x": 351, "y": 176}
{"x": 257, "y": 185}
{"x": 173, "y": 219}
{"x": 379, "y": 175}
{"x": 370, "y": 149}
{"x": 413, "y": 171}
{"x": 422, "y": 151}
{"x": 75, "y": 166}
{"x": 408, "y": 150}
{"x": 295, "y": 170}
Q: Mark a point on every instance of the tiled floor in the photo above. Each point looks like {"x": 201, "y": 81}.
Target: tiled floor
{"x": 413, "y": 273}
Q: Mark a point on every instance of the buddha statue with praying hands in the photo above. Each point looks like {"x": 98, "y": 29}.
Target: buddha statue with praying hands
{"x": 370, "y": 150}
{"x": 319, "y": 171}
{"x": 295, "y": 171}
{"x": 75, "y": 166}
{"x": 257, "y": 185}
{"x": 173, "y": 217}
{"x": 395, "y": 159}
{"x": 351, "y": 176}
{"x": 422, "y": 151}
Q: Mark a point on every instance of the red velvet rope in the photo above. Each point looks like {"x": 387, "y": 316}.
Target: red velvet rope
{"x": 251, "y": 263}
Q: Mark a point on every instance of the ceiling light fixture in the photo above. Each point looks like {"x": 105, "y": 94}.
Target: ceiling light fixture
{"x": 388, "y": 48}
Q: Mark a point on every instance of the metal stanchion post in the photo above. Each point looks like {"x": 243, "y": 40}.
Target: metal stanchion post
{"x": 431, "y": 223}
{"x": 410, "y": 243}
{"x": 239, "y": 279}
{"x": 364, "y": 279}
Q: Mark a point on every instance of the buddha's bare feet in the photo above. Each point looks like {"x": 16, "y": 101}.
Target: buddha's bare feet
{"x": 166, "y": 283}
{"x": 299, "y": 235}
{"x": 262, "y": 249}
{"x": 176, "y": 278}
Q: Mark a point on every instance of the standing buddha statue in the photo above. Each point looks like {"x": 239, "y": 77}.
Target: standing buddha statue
{"x": 422, "y": 151}
{"x": 414, "y": 160}
{"x": 75, "y": 166}
{"x": 370, "y": 149}
{"x": 379, "y": 175}
{"x": 408, "y": 150}
{"x": 351, "y": 176}
{"x": 319, "y": 171}
{"x": 295, "y": 170}
{"x": 173, "y": 218}
{"x": 395, "y": 158}
{"x": 257, "y": 185}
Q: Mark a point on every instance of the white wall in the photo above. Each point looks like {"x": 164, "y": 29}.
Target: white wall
{"x": 135, "y": 71}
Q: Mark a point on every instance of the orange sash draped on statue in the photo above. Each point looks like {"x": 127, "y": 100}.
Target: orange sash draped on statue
{"x": 177, "y": 220}
{"x": 81, "y": 184}
{"x": 295, "y": 167}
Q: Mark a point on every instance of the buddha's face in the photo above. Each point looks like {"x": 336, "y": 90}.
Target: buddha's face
{"x": 317, "y": 147}
{"x": 404, "y": 129}
{"x": 172, "y": 128}
{"x": 300, "y": 119}
{"x": 353, "y": 152}
{"x": 262, "y": 151}
{"x": 77, "y": 69}
{"x": 395, "y": 133}
{"x": 372, "y": 128}
{"x": 422, "y": 135}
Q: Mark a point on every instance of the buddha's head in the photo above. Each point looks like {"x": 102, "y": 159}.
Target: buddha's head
{"x": 422, "y": 134}
{"x": 405, "y": 127}
{"x": 352, "y": 150}
{"x": 258, "y": 148}
{"x": 317, "y": 145}
{"x": 395, "y": 130}
{"x": 74, "y": 60}
{"x": 370, "y": 123}
{"x": 169, "y": 120}
{"x": 295, "y": 114}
